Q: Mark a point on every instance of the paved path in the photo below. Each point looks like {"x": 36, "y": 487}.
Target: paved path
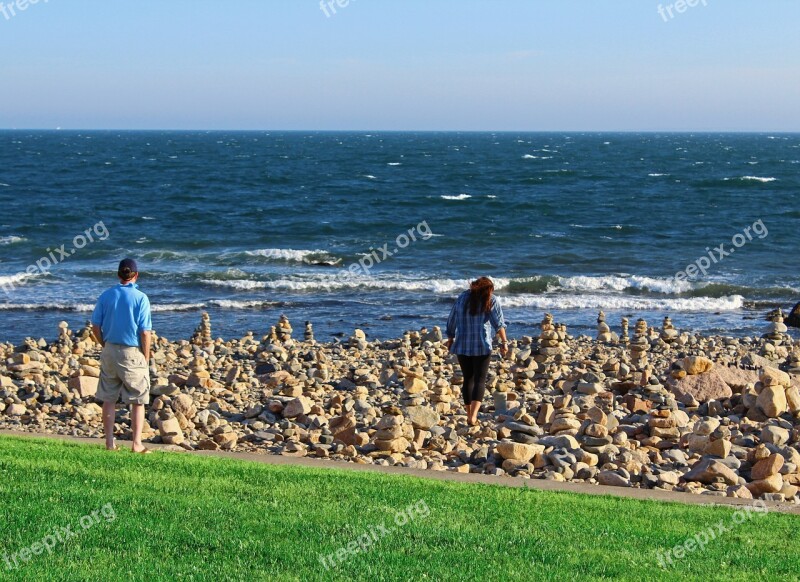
{"x": 538, "y": 484}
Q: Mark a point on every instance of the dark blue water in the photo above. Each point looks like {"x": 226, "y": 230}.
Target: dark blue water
{"x": 249, "y": 225}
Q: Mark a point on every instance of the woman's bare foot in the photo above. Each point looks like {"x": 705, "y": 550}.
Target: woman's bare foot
{"x": 140, "y": 449}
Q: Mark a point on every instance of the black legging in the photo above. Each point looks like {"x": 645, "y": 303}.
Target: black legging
{"x": 475, "y": 369}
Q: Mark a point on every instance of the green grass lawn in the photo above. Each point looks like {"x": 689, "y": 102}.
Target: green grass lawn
{"x": 180, "y": 517}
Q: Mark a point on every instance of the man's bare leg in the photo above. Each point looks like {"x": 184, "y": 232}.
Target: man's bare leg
{"x": 109, "y": 415}
{"x": 137, "y": 422}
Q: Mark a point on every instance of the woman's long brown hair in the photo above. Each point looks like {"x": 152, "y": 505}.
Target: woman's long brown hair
{"x": 480, "y": 296}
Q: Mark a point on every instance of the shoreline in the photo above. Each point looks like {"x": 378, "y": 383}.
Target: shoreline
{"x": 718, "y": 417}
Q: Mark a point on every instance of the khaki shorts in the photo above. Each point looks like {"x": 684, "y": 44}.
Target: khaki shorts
{"x": 123, "y": 372}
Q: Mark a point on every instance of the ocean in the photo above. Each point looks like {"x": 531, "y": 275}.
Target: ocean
{"x": 382, "y": 230}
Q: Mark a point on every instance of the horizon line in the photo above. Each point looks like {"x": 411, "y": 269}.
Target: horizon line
{"x": 259, "y": 130}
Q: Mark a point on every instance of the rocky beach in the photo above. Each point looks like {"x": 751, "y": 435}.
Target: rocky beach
{"x": 652, "y": 407}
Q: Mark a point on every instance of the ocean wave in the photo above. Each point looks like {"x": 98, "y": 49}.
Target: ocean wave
{"x": 14, "y": 280}
{"x": 155, "y": 308}
{"x": 46, "y": 307}
{"x": 657, "y": 175}
{"x": 624, "y": 302}
{"x": 293, "y": 255}
{"x": 753, "y": 179}
{"x": 11, "y": 240}
{"x": 394, "y": 164}
{"x": 759, "y": 179}
{"x": 624, "y": 283}
{"x": 347, "y": 281}
{"x": 231, "y": 304}
{"x": 615, "y": 283}
{"x": 459, "y": 197}
{"x": 158, "y": 256}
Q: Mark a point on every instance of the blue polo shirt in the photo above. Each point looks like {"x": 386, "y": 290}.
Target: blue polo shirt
{"x": 123, "y": 312}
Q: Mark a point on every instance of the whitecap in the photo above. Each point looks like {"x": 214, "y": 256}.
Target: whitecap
{"x": 622, "y": 283}
{"x": 758, "y": 179}
{"x": 296, "y": 255}
{"x": 623, "y": 302}
{"x": 459, "y": 197}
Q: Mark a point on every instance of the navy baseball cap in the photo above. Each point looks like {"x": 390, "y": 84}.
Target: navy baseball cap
{"x": 128, "y": 265}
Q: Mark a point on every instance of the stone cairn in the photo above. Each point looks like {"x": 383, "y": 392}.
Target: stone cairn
{"x": 565, "y": 421}
{"x": 777, "y": 330}
{"x": 64, "y": 342}
{"x": 668, "y": 332}
{"x": 640, "y": 345}
{"x": 202, "y": 335}
{"x": 358, "y": 340}
{"x": 434, "y": 336}
{"x": 442, "y": 396}
{"x": 550, "y": 343}
{"x": 392, "y": 434}
{"x": 199, "y": 375}
{"x": 308, "y": 335}
{"x": 625, "y": 337}
{"x": 596, "y": 435}
{"x": 414, "y": 385}
{"x": 604, "y": 334}
{"x": 283, "y": 330}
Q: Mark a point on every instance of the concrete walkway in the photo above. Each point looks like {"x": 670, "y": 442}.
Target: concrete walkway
{"x": 537, "y": 484}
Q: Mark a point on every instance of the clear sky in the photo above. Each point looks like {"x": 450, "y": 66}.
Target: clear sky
{"x": 722, "y": 65}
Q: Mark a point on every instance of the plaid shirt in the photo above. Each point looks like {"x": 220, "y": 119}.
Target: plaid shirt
{"x": 473, "y": 333}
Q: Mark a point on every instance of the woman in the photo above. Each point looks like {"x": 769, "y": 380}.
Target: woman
{"x": 476, "y": 314}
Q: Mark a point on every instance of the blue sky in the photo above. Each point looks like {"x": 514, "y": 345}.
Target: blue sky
{"x": 590, "y": 65}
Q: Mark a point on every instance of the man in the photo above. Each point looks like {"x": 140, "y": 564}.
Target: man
{"x": 121, "y": 323}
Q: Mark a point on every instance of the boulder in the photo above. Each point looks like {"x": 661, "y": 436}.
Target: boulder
{"x": 414, "y": 385}
{"x": 16, "y": 410}
{"x": 771, "y": 484}
{"x": 793, "y": 319}
{"x": 184, "y": 404}
{"x": 398, "y": 445}
{"x": 296, "y": 407}
{"x": 422, "y": 417}
{"x": 226, "y": 440}
{"x": 767, "y": 467}
{"x": 696, "y": 365}
{"x": 775, "y": 377}
{"x": 170, "y": 431}
{"x": 703, "y": 387}
{"x": 793, "y": 399}
{"x": 736, "y": 378}
{"x": 518, "y": 451}
{"x": 343, "y": 428}
{"x": 772, "y": 401}
{"x": 85, "y": 385}
{"x": 710, "y": 471}
{"x": 612, "y": 479}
